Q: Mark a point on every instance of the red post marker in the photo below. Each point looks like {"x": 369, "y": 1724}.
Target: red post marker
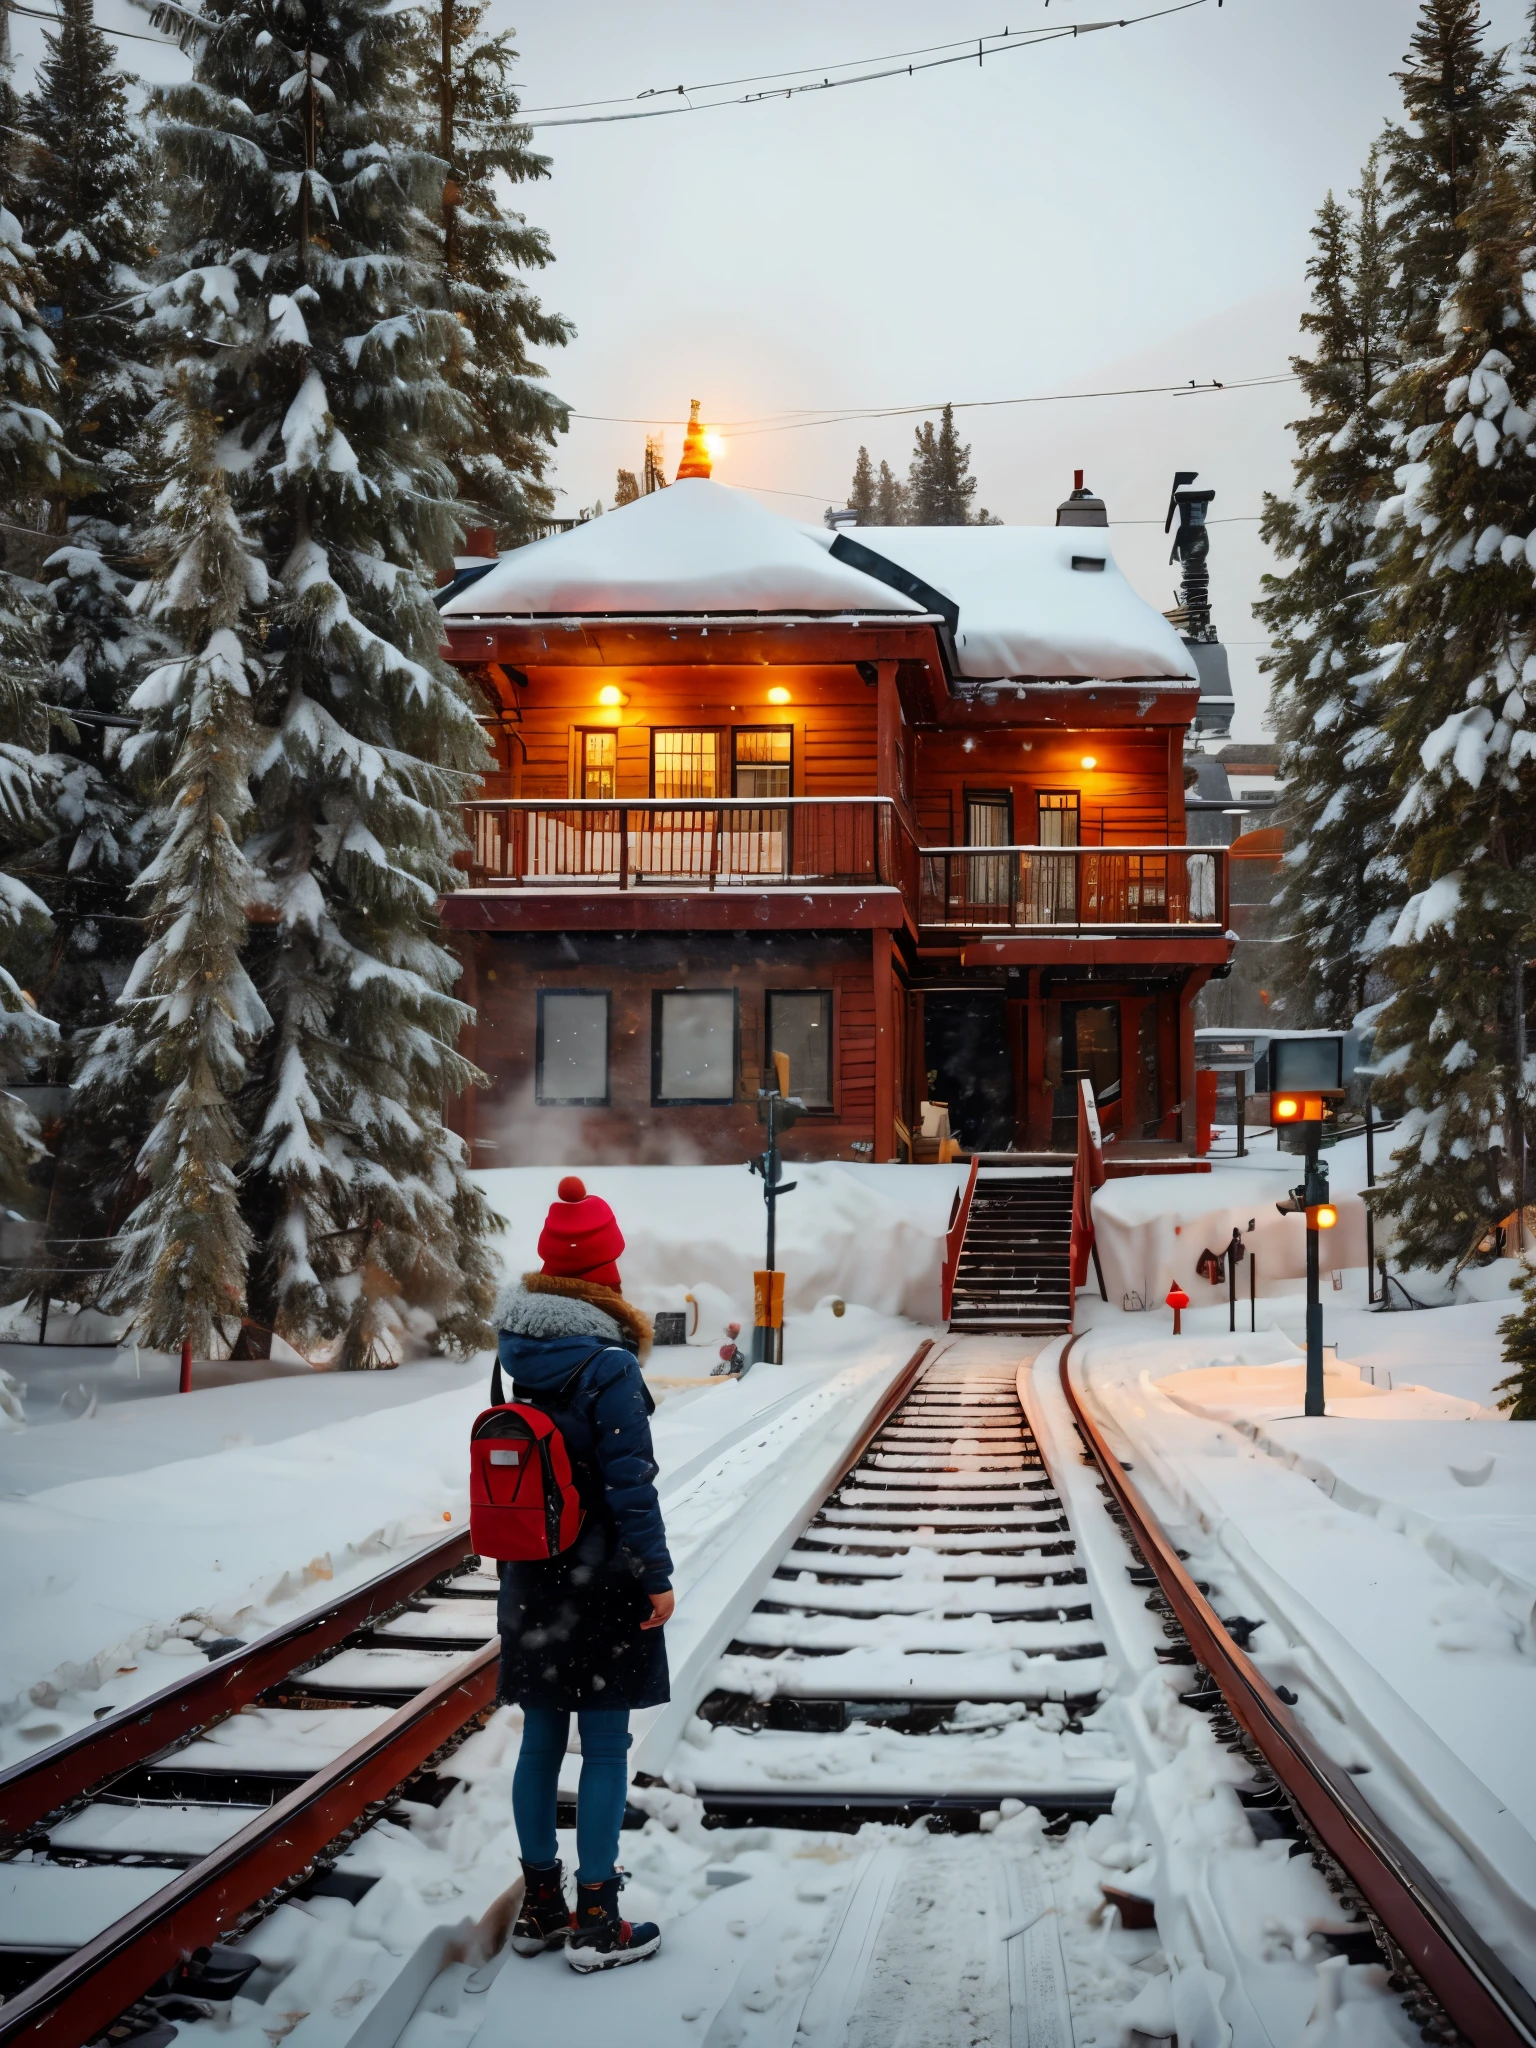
{"x": 186, "y": 1366}
{"x": 1176, "y": 1299}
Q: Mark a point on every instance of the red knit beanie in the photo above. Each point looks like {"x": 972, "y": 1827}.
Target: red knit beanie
{"x": 580, "y": 1239}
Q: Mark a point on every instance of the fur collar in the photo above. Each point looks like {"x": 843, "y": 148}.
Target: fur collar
{"x": 545, "y": 1305}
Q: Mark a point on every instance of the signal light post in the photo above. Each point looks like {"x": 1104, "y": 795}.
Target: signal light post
{"x": 1310, "y": 1199}
{"x": 778, "y": 1109}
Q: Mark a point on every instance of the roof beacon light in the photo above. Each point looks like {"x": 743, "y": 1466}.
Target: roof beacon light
{"x": 697, "y": 454}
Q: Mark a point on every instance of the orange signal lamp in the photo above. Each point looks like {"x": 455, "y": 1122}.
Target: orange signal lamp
{"x": 1177, "y": 1300}
{"x": 1296, "y": 1109}
{"x": 1322, "y": 1217}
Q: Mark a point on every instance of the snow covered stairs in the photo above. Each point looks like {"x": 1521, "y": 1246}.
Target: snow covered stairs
{"x": 928, "y": 1644}
{"x": 1014, "y": 1271}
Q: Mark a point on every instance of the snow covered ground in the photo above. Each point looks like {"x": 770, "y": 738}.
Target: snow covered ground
{"x": 1389, "y": 1549}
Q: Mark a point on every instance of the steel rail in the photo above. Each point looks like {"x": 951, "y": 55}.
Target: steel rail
{"x": 40, "y": 1784}
{"x": 889, "y": 1402}
{"x": 1478, "y": 1993}
{"x": 84, "y": 1993}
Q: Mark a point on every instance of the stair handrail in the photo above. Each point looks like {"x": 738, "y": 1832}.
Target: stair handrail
{"x": 1088, "y": 1174}
{"x": 954, "y": 1238}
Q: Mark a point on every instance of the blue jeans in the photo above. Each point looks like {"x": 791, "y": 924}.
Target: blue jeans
{"x": 599, "y": 1797}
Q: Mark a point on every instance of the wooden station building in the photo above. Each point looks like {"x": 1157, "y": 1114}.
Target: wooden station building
{"x": 905, "y": 804}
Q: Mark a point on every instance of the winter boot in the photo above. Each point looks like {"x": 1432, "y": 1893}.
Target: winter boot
{"x": 600, "y": 1940}
{"x": 545, "y": 1920}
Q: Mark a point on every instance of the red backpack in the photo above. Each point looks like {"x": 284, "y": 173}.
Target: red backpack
{"x": 523, "y": 1498}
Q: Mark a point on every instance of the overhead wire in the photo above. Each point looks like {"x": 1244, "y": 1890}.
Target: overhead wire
{"x": 975, "y": 50}
{"x": 967, "y": 43}
{"x": 128, "y": 34}
{"x": 783, "y": 423}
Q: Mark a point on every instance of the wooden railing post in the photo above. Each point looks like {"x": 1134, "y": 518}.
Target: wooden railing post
{"x": 623, "y": 846}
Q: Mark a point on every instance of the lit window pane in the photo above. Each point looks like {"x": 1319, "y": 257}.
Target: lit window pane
{"x": 800, "y": 1026}
{"x": 599, "y": 759}
{"x": 684, "y": 764}
{"x": 573, "y": 1047}
{"x": 697, "y": 1058}
{"x": 763, "y": 761}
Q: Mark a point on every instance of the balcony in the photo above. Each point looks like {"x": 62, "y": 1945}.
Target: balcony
{"x": 730, "y": 843}
{"x": 817, "y": 861}
{"x": 1076, "y": 889}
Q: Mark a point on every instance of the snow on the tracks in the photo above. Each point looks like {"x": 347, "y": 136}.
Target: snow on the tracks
{"x": 1389, "y": 1551}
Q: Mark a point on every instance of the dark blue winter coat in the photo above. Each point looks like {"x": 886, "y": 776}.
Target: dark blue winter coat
{"x": 570, "y": 1625}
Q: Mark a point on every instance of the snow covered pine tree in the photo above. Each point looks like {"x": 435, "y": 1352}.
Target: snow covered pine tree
{"x": 1336, "y": 898}
{"x": 297, "y": 309}
{"x": 83, "y": 199}
{"x": 194, "y": 1012}
{"x": 1458, "y": 601}
{"x": 30, "y": 461}
{"x": 484, "y": 254}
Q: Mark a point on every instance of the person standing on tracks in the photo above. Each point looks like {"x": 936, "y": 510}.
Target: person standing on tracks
{"x": 582, "y": 1632}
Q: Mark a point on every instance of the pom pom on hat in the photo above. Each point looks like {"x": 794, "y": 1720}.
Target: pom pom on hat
{"x": 580, "y": 1239}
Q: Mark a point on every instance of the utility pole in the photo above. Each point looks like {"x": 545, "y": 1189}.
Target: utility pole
{"x": 451, "y": 193}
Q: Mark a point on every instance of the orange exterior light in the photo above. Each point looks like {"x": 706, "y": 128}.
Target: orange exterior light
{"x": 611, "y": 695}
{"x": 1090, "y": 760}
{"x": 1323, "y": 1217}
{"x": 778, "y": 694}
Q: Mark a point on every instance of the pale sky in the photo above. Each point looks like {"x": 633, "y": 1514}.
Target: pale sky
{"x": 1123, "y": 208}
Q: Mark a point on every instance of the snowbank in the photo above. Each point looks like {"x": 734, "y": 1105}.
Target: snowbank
{"x": 867, "y": 1234}
{"x": 1152, "y": 1229}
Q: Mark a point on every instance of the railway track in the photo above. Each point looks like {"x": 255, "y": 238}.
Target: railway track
{"x": 929, "y": 1643}
{"x": 131, "y": 1853}
{"x": 932, "y": 1644}
{"x": 1450, "y": 1981}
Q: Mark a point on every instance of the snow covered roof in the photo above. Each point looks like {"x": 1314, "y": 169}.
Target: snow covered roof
{"x": 1021, "y": 601}
{"x": 1024, "y": 609}
{"x": 698, "y": 547}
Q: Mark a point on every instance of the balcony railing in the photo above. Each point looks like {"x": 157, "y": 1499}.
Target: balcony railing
{"x": 724, "y": 843}
{"x": 1073, "y": 886}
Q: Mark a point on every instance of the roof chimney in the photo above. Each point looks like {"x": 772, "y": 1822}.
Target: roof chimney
{"x": 695, "y": 460}
{"x": 1082, "y": 508}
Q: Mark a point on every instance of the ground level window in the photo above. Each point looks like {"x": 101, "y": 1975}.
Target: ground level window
{"x": 572, "y": 1050}
{"x": 693, "y": 1045}
{"x": 800, "y": 1027}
